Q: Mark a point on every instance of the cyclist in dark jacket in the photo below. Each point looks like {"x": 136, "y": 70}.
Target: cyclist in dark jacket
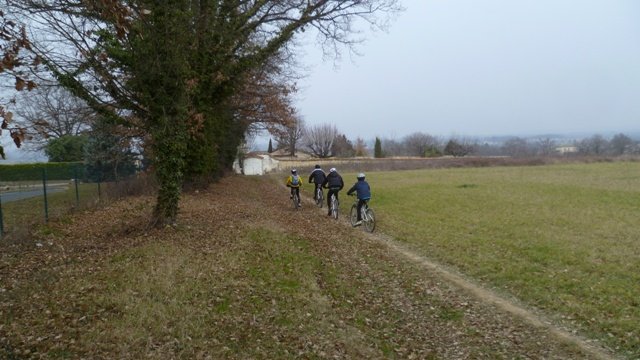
{"x": 363, "y": 191}
{"x": 334, "y": 183}
{"x": 317, "y": 177}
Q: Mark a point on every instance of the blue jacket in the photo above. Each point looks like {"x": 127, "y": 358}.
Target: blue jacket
{"x": 362, "y": 189}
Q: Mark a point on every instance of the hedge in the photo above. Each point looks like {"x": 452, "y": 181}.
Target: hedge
{"x": 34, "y": 171}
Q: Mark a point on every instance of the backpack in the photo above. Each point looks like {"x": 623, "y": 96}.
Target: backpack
{"x": 295, "y": 180}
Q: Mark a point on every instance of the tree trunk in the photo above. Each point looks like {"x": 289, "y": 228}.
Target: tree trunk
{"x": 169, "y": 150}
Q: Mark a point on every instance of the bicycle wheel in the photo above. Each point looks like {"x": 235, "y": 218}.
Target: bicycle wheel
{"x": 296, "y": 202}
{"x": 353, "y": 215}
{"x": 335, "y": 206}
{"x": 319, "y": 197}
{"x": 369, "y": 220}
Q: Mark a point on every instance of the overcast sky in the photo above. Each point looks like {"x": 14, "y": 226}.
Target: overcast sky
{"x": 486, "y": 67}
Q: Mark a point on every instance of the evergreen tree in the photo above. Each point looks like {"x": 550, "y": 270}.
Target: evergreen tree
{"x": 66, "y": 148}
{"x": 377, "y": 149}
{"x": 270, "y": 150}
{"x": 108, "y": 154}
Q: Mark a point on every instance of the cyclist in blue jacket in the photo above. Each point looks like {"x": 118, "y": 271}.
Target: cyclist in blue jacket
{"x": 363, "y": 191}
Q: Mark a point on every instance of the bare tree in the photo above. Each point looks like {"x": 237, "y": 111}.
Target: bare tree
{"x": 289, "y": 135}
{"x": 516, "y": 147}
{"x": 360, "y": 147}
{"x": 52, "y": 112}
{"x": 342, "y": 147}
{"x": 319, "y": 139}
{"x": 392, "y": 147}
{"x": 621, "y": 144}
{"x": 594, "y": 145}
{"x": 546, "y": 146}
{"x": 421, "y": 144}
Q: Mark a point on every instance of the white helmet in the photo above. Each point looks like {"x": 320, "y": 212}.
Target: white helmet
{"x": 360, "y": 176}
{"x": 332, "y": 170}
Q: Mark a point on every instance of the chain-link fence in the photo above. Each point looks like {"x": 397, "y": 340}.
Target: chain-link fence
{"x": 34, "y": 194}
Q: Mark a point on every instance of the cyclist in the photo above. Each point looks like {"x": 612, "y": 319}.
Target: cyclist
{"x": 363, "y": 191}
{"x": 334, "y": 183}
{"x": 295, "y": 183}
{"x": 317, "y": 177}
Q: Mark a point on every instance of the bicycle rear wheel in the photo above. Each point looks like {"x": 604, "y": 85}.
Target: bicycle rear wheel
{"x": 296, "y": 202}
{"x": 335, "y": 207}
{"x": 353, "y": 215}
{"x": 369, "y": 220}
{"x": 319, "y": 197}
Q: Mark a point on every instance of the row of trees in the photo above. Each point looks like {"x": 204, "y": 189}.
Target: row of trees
{"x": 597, "y": 145}
{"x": 326, "y": 141}
{"x": 187, "y": 79}
{"x": 424, "y": 145}
{"x": 321, "y": 141}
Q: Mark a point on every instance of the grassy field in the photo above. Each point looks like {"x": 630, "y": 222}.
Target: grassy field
{"x": 562, "y": 239}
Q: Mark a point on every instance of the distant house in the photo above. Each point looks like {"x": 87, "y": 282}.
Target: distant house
{"x": 567, "y": 149}
{"x": 255, "y": 164}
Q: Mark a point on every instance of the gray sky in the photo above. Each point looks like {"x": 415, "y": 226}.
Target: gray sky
{"x": 486, "y": 67}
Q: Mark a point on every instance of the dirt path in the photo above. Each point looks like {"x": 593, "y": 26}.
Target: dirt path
{"x": 487, "y": 296}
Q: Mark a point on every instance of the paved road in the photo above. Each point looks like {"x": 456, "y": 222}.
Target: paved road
{"x": 21, "y": 195}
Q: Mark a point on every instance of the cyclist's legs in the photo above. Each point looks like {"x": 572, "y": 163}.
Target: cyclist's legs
{"x": 331, "y": 192}
{"x": 360, "y": 205}
{"x": 315, "y": 192}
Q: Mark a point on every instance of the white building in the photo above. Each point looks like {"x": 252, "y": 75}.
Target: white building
{"x": 255, "y": 164}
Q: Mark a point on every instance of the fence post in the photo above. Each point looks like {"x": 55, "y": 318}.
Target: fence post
{"x": 75, "y": 180}
{"x": 44, "y": 189}
{"x": 1, "y": 220}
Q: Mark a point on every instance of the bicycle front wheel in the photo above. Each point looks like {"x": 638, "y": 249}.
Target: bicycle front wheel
{"x": 370, "y": 220}
{"x": 353, "y": 215}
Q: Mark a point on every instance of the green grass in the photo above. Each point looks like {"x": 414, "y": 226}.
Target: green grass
{"x": 562, "y": 238}
{"x": 19, "y": 216}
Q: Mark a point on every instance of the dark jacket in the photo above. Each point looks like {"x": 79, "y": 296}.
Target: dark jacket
{"x": 333, "y": 180}
{"x": 318, "y": 177}
{"x": 362, "y": 189}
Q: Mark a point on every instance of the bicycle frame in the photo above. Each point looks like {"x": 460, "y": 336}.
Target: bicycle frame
{"x": 367, "y": 216}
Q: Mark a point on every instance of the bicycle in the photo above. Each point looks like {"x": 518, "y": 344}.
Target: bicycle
{"x": 368, "y": 216}
{"x": 296, "y": 200}
{"x": 319, "y": 196}
{"x": 335, "y": 206}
